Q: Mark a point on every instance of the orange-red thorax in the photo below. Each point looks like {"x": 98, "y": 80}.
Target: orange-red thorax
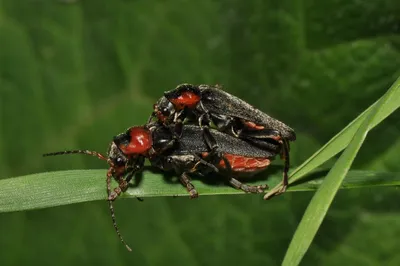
{"x": 185, "y": 99}
{"x": 140, "y": 142}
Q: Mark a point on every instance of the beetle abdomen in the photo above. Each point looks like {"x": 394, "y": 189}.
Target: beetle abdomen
{"x": 242, "y": 164}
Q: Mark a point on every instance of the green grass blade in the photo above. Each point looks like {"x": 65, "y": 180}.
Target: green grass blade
{"x": 323, "y": 198}
{"x": 342, "y": 139}
{"x": 51, "y": 189}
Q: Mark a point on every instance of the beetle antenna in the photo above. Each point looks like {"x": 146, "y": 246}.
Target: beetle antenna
{"x": 109, "y": 175}
{"x": 113, "y": 213}
{"x": 87, "y": 152}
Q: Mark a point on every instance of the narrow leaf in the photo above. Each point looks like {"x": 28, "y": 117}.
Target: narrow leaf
{"x": 323, "y": 198}
{"x": 342, "y": 139}
{"x": 51, "y": 189}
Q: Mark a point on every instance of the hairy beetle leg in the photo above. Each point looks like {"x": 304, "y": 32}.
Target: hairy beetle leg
{"x": 185, "y": 179}
{"x": 285, "y": 179}
{"x": 247, "y": 188}
{"x": 123, "y": 185}
{"x": 276, "y": 193}
{"x": 209, "y": 139}
{"x": 234, "y": 182}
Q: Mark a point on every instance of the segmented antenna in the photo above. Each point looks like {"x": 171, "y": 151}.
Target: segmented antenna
{"x": 113, "y": 213}
{"x": 87, "y": 152}
{"x": 108, "y": 180}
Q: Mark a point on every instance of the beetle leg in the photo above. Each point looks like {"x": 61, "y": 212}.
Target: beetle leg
{"x": 185, "y": 179}
{"x": 285, "y": 155}
{"x": 260, "y": 134}
{"x": 215, "y": 155}
{"x": 123, "y": 183}
{"x": 128, "y": 178}
{"x": 191, "y": 162}
{"x": 205, "y": 116}
{"x": 122, "y": 186}
{"x": 200, "y": 161}
{"x": 223, "y": 122}
{"x": 268, "y": 139}
{"x": 239, "y": 185}
{"x": 234, "y": 132}
{"x": 209, "y": 139}
{"x": 179, "y": 117}
{"x": 247, "y": 188}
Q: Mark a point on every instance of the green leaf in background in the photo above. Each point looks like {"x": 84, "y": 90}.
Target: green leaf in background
{"x": 73, "y": 76}
{"x": 319, "y": 205}
{"x": 341, "y": 140}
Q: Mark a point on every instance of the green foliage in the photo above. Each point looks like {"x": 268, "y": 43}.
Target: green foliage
{"x": 342, "y": 139}
{"x": 74, "y": 75}
{"x": 320, "y": 203}
{"x": 67, "y": 187}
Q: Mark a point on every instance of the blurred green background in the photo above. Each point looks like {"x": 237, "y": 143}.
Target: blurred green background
{"x": 74, "y": 75}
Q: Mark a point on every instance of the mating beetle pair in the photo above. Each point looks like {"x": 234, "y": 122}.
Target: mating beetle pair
{"x": 181, "y": 138}
{"x": 211, "y": 105}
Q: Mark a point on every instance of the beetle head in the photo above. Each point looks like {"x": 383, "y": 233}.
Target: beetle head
{"x": 163, "y": 109}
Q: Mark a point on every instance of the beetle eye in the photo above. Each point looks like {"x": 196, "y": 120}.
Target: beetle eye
{"x": 119, "y": 161}
{"x": 168, "y": 109}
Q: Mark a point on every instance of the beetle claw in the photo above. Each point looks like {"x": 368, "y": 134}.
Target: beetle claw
{"x": 193, "y": 194}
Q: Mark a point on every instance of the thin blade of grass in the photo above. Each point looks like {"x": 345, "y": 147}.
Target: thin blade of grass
{"x": 342, "y": 139}
{"x": 323, "y": 198}
{"x": 52, "y": 189}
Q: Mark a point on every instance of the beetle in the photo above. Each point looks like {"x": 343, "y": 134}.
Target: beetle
{"x": 210, "y": 105}
{"x": 189, "y": 155}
